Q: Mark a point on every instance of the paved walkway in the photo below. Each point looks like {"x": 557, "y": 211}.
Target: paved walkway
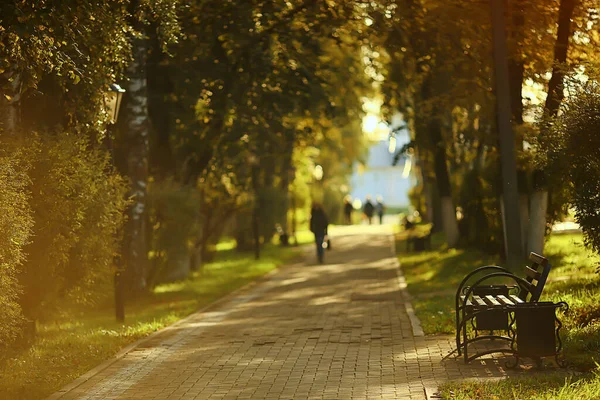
{"x": 335, "y": 331}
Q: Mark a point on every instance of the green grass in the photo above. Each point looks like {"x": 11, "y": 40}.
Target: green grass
{"x": 541, "y": 387}
{"x": 433, "y": 276}
{"x": 75, "y": 340}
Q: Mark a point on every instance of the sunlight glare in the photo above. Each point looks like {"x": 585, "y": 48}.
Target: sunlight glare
{"x": 370, "y": 123}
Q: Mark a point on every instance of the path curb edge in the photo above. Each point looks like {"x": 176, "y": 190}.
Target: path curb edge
{"x": 414, "y": 320}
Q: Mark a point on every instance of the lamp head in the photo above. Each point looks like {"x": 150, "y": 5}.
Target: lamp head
{"x": 112, "y": 101}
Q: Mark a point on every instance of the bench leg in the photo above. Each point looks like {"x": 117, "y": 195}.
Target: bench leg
{"x": 458, "y": 331}
{"x": 464, "y": 333}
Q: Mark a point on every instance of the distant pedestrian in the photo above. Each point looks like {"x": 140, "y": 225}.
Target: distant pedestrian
{"x": 369, "y": 209}
{"x": 348, "y": 208}
{"x": 380, "y": 208}
{"x": 318, "y": 226}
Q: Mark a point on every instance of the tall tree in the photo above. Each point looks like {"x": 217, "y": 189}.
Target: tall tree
{"x": 539, "y": 200}
{"x": 508, "y": 159}
{"x": 137, "y": 131}
{"x": 161, "y": 15}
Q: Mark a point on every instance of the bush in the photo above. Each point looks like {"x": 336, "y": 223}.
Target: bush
{"x": 78, "y": 202}
{"x": 187, "y": 222}
{"x": 481, "y": 225}
{"x": 175, "y": 218}
{"x": 272, "y": 210}
{"x": 15, "y": 230}
{"x": 571, "y": 155}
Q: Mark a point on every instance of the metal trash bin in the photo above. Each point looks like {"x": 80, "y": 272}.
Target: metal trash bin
{"x": 537, "y": 330}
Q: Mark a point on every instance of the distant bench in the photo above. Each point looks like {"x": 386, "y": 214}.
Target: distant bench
{"x": 417, "y": 240}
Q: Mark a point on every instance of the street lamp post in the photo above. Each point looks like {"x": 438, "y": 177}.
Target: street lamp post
{"x": 112, "y": 104}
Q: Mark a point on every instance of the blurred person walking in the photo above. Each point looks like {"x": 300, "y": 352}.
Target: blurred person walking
{"x": 348, "y": 208}
{"x": 369, "y": 209}
{"x": 318, "y": 226}
{"x": 380, "y": 208}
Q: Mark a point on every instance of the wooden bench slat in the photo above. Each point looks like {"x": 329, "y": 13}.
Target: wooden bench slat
{"x": 532, "y": 273}
{"x": 479, "y": 301}
{"x": 466, "y": 301}
{"x": 538, "y": 259}
{"x": 490, "y": 299}
{"x": 516, "y": 299}
{"x": 505, "y": 300}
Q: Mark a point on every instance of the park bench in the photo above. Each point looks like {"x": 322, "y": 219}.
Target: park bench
{"x": 508, "y": 312}
{"x": 417, "y": 240}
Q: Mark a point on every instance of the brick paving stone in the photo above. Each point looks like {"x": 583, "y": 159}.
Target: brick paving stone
{"x": 333, "y": 331}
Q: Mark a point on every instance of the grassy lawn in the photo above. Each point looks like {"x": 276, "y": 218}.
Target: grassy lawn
{"x": 549, "y": 387}
{"x": 433, "y": 276}
{"x": 75, "y": 340}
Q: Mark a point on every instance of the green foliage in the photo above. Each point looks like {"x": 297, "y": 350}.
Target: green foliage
{"x": 571, "y": 154}
{"x": 261, "y": 89}
{"x": 481, "y": 224}
{"x": 175, "y": 218}
{"x": 15, "y": 231}
{"x": 77, "y": 201}
{"x": 417, "y": 199}
{"x": 271, "y": 203}
{"x": 82, "y": 46}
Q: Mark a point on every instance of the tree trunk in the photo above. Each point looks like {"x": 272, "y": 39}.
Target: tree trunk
{"x": 539, "y": 199}
{"x": 516, "y": 69}
{"x": 561, "y": 48}
{"x": 525, "y": 221}
{"x": 428, "y": 213}
{"x": 449, "y": 223}
{"x": 243, "y": 231}
{"x": 508, "y": 160}
{"x": 286, "y": 164}
{"x": 537, "y": 225}
{"x": 516, "y": 64}
{"x": 160, "y": 110}
{"x": 523, "y": 206}
{"x": 10, "y": 101}
{"x": 137, "y": 127}
{"x": 256, "y": 212}
{"x": 428, "y": 195}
